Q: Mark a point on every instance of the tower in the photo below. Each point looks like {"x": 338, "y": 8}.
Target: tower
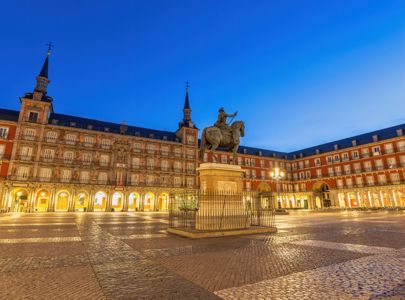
{"x": 36, "y": 107}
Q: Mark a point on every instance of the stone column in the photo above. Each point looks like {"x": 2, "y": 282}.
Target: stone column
{"x": 72, "y": 196}
{"x": 90, "y": 204}
{"x": 125, "y": 201}
{"x": 108, "y": 202}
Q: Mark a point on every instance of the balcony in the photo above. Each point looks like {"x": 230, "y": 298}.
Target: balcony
{"x": 368, "y": 169}
{"x": 347, "y": 172}
{"x": 88, "y": 144}
{"x": 50, "y": 140}
{"x": 379, "y": 167}
{"x": 401, "y": 148}
{"x": 25, "y": 157}
{"x": 105, "y": 146}
{"x": 29, "y": 137}
{"x": 388, "y": 151}
{"x": 365, "y": 155}
{"x": 357, "y": 170}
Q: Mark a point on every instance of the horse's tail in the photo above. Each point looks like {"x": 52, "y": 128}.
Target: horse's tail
{"x": 202, "y": 144}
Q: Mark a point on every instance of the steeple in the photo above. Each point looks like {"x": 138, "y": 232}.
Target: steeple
{"x": 42, "y": 78}
{"x": 187, "y": 109}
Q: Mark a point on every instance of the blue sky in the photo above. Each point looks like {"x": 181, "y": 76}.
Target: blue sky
{"x": 300, "y": 73}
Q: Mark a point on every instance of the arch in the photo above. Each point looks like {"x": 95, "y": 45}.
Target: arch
{"x": 264, "y": 187}
{"x": 82, "y": 201}
{"x": 149, "y": 201}
{"x": 321, "y": 194}
{"x": 134, "y": 201}
{"x": 117, "y": 201}
{"x": 163, "y": 201}
{"x": 19, "y": 200}
{"x": 62, "y": 201}
{"x": 42, "y": 200}
{"x": 100, "y": 201}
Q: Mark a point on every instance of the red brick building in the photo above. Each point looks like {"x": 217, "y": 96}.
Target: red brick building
{"x": 56, "y": 162}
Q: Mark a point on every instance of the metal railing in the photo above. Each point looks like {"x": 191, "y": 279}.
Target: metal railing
{"x": 207, "y": 211}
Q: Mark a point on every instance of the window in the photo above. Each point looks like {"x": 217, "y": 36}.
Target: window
{"x": 177, "y": 151}
{"x": 330, "y": 171}
{"x": 247, "y": 161}
{"x": 105, "y": 143}
{"x": 32, "y": 116}
{"x": 261, "y": 163}
{"x": 23, "y": 172}
{"x": 357, "y": 167}
{"x": 376, "y": 150}
{"x": 151, "y": 148}
{"x": 68, "y": 156}
{"x": 137, "y": 147}
{"x": 190, "y": 167}
{"x": 190, "y": 182}
{"x": 86, "y": 158}
{"x": 134, "y": 179}
{"x": 45, "y": 174}
{"x": 3, "y": 132}
{"x": 336, "y": 158}
{"x": 263, "y": 174}
{"x": 401, "y": 146}
{"x": 190, "y": 139}
{"x": 388, "y": 148}
{"x": 26, "y": 153}
{"x": 347, "y": 169}
{"x": 84, "y": 176}
{"x": 338, "y": 170}
{"x": 66, "y": 174}
{"x": 150, "y": 179}
{"x": 102, "y": 177}
{"x": 367, "y": 166}
{"x": 359, "y": 181}
{"x": 394, "y": 178}
{"x": 355, "y": 154}
{"x": 302, "y": 175}
{"x": 164, "y": 165}
{"x": 248, "y": 186}
{"x": 247, "y": 173}
{"x": 329, "y": 159}
{"x": 30, "y": 133}
{"x": 307, "y": 174}
{"x": 253, "y": 162}
{"x": 70, "y": 138}
{"x": 88, "y": 141}
{"x": 392, "y": 162}
{"x": 301, "y": 165}
{"x": 177, "y": 166}
{"x": 164, "y": 150}
{"x": 150, "y": 163}
{"x": 104, "y": 160}
{"x": 339, "y": 183}
{"x": 51, "y": 136}
{"x": 177, "y": 181}
{"x": 135, "y": 162}
{"x": 349, "y": 182}
{"x": 365, "y": 152}
{"x": 345, "y": 156}
{"x": 49, "y": 154}
{"x": 370, "y": 180}
{"x": 317, "y": 162}
{"x": 318, "y": 173}
{"x": 382, "y": 179}
{"x": 379, "y": 164}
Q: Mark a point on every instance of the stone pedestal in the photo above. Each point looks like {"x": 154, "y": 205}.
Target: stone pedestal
{"x": 221, "y": 178}
{"x": 221, "y": 205}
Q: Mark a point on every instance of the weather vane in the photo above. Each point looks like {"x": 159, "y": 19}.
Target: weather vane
{"x": 50, "y": 45}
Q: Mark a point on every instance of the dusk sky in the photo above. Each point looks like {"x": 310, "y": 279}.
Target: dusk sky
{"x": 300, "y": 73}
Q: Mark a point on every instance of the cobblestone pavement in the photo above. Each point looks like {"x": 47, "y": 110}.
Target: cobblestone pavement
{"x": 130, "y": 256}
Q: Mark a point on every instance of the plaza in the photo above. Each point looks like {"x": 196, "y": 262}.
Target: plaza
{"x": 129, "y": 255}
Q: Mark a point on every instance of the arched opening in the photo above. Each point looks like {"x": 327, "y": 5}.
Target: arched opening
{"x": 81, "y": 202}
{"x": 322, "y": 195}
{"x": 117, "y": 202}
{"x": 19, "y": 200}
{"x": 100, "y": 200}
{"x": 133, "y": 202}
{"x": 148, "y": 202}
{"x": 62, "y": 201}
{"x": 163, "y": 202}
{"x": 42, "y": 200}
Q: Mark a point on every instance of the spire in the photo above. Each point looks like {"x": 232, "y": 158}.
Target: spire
{"x": 187, "y": 102}
{"x": 42, "y": 78}
{"x": 187, "y": 109}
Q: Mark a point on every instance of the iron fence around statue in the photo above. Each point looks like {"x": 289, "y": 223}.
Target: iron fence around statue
{"x": 217, "y": 211}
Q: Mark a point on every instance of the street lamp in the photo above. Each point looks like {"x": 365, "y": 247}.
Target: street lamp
{"x": 277, "y": 174}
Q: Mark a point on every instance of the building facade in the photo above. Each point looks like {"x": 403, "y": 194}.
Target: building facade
{"x": 56, "y": 162}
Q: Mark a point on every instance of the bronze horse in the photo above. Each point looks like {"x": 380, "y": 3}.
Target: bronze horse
{"x": 214, "y": 137}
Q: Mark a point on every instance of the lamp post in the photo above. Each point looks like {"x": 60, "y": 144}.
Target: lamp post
{"x": 277, "y": 174}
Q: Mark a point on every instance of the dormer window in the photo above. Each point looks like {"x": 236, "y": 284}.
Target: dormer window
{"x": 137, "y": 133}
{"x": 106, "y": 129}
{"x": 89, "y": 127}
{"x": 165, "y": 138}
{"x": 73, "y": 124}
{"x": 55, "y": 122}
{"x": 151, "y": 135}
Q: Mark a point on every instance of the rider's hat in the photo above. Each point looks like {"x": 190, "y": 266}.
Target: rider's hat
{"x": 221, "y": 109}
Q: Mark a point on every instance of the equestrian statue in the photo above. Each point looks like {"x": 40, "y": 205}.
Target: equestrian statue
{"x": 222, "y": 135}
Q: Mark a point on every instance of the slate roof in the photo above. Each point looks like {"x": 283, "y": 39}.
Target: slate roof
{"x": 90, "y": 124}
{"x": 44, "y": 70}
{"x": 9, "y": 115}
{"x": 83, "y": 123}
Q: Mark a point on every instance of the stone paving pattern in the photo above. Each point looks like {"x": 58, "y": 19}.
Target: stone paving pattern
{"x": 130, "y": 256}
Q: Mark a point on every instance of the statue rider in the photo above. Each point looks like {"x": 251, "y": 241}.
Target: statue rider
{"x": 222, "y": 118}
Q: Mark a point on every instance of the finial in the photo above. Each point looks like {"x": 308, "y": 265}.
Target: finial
{"x": 50, "y": 45}
{"x": 187, "y": 85}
